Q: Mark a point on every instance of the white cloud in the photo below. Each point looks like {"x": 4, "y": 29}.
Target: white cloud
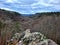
{"x": 54, "y": 1}
{"x": 24, "y": 5}
{"x": 44, "y": 11}
{"x": 41, "y": 2}
{"x": 32, "y": 6}
{"x": 57, "y": 7}
{"x": 9, "y": 1}
{"x": 24, "y": 12}
{"x": 12, "y": 1}
{"x": 7, "y": 9}
{"x": 46, "y": 2}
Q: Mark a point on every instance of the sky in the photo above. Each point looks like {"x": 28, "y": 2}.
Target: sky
{"x": 30, "y": 6}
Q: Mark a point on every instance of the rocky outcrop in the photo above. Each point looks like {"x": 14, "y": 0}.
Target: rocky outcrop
{"x": 34, "y": 38}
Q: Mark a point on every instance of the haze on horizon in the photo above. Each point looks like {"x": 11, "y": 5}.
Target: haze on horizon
{"x": 30, "y": 6}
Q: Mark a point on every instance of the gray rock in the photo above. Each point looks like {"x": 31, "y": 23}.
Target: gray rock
{"x": 34, "y": 38}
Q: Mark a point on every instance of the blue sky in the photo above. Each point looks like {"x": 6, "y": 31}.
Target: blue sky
{"x": 30, "y": 6}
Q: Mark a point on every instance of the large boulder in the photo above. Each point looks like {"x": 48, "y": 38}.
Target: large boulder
{"x": 35, "y": 38}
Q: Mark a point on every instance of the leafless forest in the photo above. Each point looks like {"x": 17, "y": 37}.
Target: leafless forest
{"x": 12, "y": 22}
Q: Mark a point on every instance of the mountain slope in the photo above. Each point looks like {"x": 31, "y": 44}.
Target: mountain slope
{"x": 46, "y": 23}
